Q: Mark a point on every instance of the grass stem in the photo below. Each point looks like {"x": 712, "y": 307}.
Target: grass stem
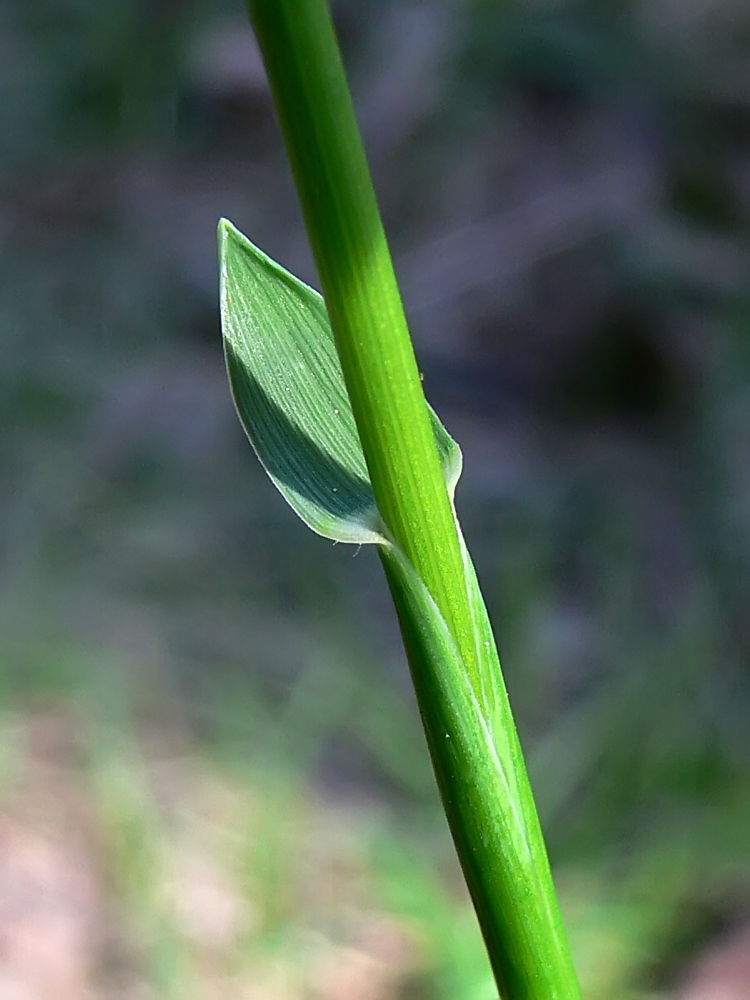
{"x": 472, "y": 738}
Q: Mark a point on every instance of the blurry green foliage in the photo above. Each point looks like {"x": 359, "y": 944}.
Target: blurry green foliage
{"x": 611, "y": 524}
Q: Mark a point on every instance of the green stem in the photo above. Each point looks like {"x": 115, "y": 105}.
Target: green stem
{"x": 363, "y": 299}
{"x": 496, "y": 830}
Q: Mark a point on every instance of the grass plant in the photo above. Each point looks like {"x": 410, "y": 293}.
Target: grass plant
{"x": 330, "y": 395}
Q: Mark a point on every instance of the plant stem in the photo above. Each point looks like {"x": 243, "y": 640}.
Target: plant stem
{"x": 359, "y": 284}
{"x": 495, "y": 828}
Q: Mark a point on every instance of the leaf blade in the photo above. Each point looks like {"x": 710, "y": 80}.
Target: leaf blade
{"x": 291, "y": 398}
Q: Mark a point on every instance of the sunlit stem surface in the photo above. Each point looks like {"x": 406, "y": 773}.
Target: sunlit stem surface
{"x": 475, "y": 750}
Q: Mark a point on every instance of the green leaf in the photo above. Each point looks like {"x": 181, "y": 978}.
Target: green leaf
{"x": 291, "y": 397}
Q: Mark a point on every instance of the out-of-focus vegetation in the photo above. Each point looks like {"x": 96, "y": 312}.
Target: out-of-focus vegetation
{"x": 214, "y": 783}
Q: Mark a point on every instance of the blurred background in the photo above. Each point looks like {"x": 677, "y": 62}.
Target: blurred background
{"x": 212, "y": 779}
